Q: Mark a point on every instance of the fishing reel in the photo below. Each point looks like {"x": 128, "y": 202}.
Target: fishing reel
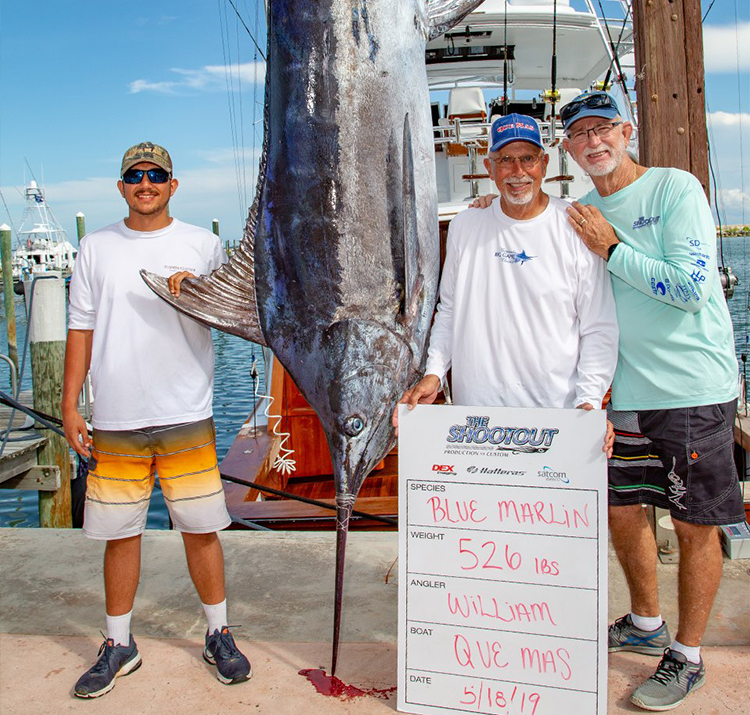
{"x": 728, "y": 281}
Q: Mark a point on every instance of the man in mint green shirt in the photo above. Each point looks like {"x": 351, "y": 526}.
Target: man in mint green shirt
{"x": 674, "y": 391}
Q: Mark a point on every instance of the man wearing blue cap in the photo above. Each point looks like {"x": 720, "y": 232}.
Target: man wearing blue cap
{"x": 675, "y": 389}
{"x": 526, "y": 315}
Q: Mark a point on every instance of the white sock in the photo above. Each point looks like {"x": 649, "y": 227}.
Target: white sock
{"x": 692, "y": 653}
{"x": 646, "y": 623}
{"x": 118, "y": 628}
{"x": 216, "y": 615}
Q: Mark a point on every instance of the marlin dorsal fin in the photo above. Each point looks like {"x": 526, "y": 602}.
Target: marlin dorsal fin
{"x": 444, "y": 14}
{"x": 226, "y": 298}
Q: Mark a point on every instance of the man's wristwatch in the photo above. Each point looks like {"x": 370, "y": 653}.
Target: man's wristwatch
{"x": 611, "y": 249}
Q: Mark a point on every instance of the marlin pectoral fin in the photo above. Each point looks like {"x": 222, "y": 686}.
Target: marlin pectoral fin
{"x": 410, "y": 232}
{"x": 218, "y": 301}
{"x": 444, "y": 14}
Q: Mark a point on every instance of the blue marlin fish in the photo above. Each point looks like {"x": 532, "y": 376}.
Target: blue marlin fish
{"x": 337, "y": 270}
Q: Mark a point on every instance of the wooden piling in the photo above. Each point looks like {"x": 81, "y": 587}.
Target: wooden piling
{"x": 215, "y": 226}
{"x": 80, "y": 225}
{"x": 10, "y": 308}
{"x": 47, "y": 347}
{"x": 670, "y": 84}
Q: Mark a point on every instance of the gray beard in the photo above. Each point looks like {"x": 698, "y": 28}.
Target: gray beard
{"x": 525, "y": 198}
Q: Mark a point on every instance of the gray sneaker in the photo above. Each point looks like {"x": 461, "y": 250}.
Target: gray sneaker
{"x": 114, "y": 660}
{"x": 623, "y": 635}
{"x": 674, "y": 678}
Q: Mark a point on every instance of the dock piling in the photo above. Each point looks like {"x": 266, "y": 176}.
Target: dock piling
{"x": 10, "y": 310}
{"x": 46, "y": 325}
{"x": 80, "y": 225}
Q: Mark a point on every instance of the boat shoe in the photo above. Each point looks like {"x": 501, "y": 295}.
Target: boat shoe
{"x": 623, "y": 635}
{"x": 220, "y": 650}
{"x": 113, "y": 660}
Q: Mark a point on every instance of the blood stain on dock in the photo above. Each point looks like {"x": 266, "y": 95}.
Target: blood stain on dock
{"x": 332, "y": 687}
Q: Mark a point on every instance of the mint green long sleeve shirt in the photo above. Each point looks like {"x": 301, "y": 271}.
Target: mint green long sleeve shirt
{"x": 676, "y": 344}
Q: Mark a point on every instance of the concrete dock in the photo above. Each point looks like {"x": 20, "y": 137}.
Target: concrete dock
{"x": 280, "y": 589}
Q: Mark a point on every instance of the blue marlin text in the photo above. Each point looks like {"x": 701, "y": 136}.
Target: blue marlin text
{"x": 478, "y": 430}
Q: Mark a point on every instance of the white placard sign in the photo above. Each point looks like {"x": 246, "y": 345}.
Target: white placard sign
{"x": 502, "y": 561}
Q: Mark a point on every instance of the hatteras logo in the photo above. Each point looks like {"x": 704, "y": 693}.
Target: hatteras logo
{"x": 494, "y": 470}
{"x": 550, "y": 475}
{"x": 643, "y": 221}
{"x": 512, "y": 256}
{"x": 478, "y": 431}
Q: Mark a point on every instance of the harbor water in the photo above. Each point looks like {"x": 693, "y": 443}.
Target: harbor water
{"x": 234, "y": 400}
{"x": 234, "y": 395}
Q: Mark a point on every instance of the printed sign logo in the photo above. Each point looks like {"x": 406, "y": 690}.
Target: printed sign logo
{"x": 495, "y": 470}
{"x": 512, "y": 256}
{"x": 550, "y": 475}
{"x": 443, "y": 468}
{"x": 478, "y": 434}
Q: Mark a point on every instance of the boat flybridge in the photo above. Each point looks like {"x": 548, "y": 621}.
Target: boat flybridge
{"x": 43, "y": 245}
{"x": 524, "y": 56}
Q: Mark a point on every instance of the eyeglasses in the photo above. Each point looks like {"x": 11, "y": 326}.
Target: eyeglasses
{"x": 527, "y": 161}
{"x": 600, "y": 130}
{"x": 155, "y": 176}
{"x": 593, "y": 101}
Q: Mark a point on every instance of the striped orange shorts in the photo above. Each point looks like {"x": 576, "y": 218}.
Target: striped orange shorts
{"x": 122, "y": 469}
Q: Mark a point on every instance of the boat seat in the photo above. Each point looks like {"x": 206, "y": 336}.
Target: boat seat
{"x": 467, "y": 105}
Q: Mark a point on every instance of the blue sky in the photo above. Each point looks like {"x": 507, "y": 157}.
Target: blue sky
{"x": 82, "y": 80}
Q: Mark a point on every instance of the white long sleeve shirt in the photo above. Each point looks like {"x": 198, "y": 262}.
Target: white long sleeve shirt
{"x": 526, "y": 316}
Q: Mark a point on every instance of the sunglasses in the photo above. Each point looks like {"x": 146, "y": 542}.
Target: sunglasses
{"x": 155, "y": 176}
{"x": 594, "y": 101}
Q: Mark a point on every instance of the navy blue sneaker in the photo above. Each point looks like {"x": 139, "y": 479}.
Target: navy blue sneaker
{"x": 623, "y": 635}
{"x": 231, "y": 665}
{"x": 114, "y": 660}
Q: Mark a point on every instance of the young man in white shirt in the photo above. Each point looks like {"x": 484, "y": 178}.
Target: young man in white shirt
{"x": 152, "y": 375}
{"x": 526, "y": 316}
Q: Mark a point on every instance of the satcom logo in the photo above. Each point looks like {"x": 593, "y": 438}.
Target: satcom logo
{"x": 550, "y": 475}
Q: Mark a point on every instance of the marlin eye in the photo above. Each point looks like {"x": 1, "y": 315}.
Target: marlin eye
{"x": 353, "y": 425}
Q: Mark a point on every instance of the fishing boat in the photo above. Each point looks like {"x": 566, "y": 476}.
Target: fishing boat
{"x": 502, "y": 58}
{"x": 43, "y": 244}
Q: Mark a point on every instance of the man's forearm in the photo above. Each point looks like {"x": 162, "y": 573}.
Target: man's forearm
{"x": 77, "y": 362}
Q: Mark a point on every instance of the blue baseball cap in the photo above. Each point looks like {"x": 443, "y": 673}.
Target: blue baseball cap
{"x": 515, "y": 128}
{"x": 589, "y": 104}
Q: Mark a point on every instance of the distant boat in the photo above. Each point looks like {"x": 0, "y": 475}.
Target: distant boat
{"x": 43, "y": 245}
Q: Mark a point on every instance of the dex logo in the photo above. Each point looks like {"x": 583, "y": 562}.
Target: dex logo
{"x": 444, "y": 468}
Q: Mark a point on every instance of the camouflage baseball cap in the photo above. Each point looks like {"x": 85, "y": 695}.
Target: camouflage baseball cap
{"x": 146, "y": 151}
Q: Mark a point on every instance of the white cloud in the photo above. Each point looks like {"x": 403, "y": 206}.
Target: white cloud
{"x": 207, "y": 78}
{"x": 735, "y": 199}
{"x": 728, "y": 119}
{"x": 721, "y": 44}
